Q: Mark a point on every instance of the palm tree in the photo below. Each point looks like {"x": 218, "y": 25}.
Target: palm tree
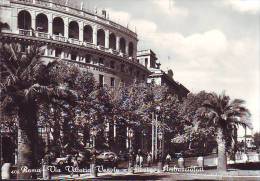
{"x": 25, "y": 81}
{"x": 225, "y": 115}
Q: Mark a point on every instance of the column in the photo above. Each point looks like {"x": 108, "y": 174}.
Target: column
{"x": 106, "y": 38}
{"x": 66, "y": 27}
{"x": 134, "y": 49}
{"x": 117, "y": 43}
{"x": 81, "y": 31}
{"x": 33, "y": 21}
{"x": 50, "y": 28}
{"x": 95, "y": 34}
{"x": 53, "y": 52}
{"x": 62, "y": 55}
{"x": 126, "y": 47}
{"x": 152, "y": 136}
{"x": 14, "y": 20}
{"x": 114, "y": 129}
{"x": 127, "y": 137}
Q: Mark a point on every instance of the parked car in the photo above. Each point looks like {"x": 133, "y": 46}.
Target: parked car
{"x": 178, "y": 155}
{"x": 107, "y": 159}
{"x": 62, "y": 162}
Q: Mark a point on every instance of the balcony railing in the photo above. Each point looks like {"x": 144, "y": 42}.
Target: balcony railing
{"x": 59, "y": 38}
{"x": 45, "y": 35}
{"x": 25, "y": 32}
{"x": 88, "y": 44}
{"x": 42, "y": 35}
{"x": 74, "y": 41}
{"x": 89, "y": 13}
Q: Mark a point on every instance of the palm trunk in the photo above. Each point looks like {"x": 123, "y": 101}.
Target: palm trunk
{"x": 222, "y": 158}
{"x": 27, "y": 140}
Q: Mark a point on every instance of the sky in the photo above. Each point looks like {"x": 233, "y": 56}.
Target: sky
{"x": 210, "y": 45}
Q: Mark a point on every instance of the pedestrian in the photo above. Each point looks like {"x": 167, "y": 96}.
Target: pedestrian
{"x": 141, "y": 161}
{"x": 137, "y": 160}
{"x": 168, "y": 159}
{"x": 149, "y": 159}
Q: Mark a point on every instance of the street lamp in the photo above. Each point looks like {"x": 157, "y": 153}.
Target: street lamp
{"x": 160, "y": 137}
{"x": 131, "y": 160}
{"x": 93, "y": 132}
{"x": 155, "y": 132}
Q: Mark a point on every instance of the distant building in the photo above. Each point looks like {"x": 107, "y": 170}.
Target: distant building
{"x": 249, "y": 141}
{"x": 148, "y": 59}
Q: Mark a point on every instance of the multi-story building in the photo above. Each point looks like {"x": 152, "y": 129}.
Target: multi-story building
{"x": 149, "y": 60}
{"x": 85, "y": 38}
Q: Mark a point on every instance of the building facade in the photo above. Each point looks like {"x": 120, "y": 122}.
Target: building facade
{"x": 85, "y": 38}
{"x": 148, "y": 59}
{"x": 90, "y": 41}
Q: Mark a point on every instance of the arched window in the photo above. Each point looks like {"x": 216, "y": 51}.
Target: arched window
{"x": 101, "y": 37}
{"x": 58, "y": 26}
{"x": 122, "y": 45}
{"x": 73, "y": 30}
{"x": 24, "y": 20}
{"x": 88, "y": 34}
{"x": 131, "y": 49}
{"x": 112, "y": 41}
{"x": 42, "y": 23}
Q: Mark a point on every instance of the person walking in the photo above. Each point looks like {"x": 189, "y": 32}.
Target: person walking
{"x": 137, "y": 160}
{"x": 149, "y": 159}
{"x": 168, "y": 159}
{"x": 141, "y": 160}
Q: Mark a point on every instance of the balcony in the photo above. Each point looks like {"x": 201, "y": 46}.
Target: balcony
{"x": 96, "y": 16}
{"x": 49, "y": 38}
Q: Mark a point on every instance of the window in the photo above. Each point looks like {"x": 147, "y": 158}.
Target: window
{"x": 101, "y": 80}
{"x": 112, "y": 82}
{"x": 73, "y": 56}
{"x": 101, "y": 61}
{"x": 122, "y": 67}
{"x": 88, "y": 58}
{"x": 112, "y": 64}
{"x": 58, "y": 52}
{"x": 146, "y": 62}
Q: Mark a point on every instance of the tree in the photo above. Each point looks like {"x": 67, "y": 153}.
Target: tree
{"x": 195, "y": 128}
{"x": 225, "y": 115}
{"x": 26, "y": 81}
{"x": 256, "y": 138}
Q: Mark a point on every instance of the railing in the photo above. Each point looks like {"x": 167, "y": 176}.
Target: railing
{"x": 90, "y": 14}
{"x": 74, "y": 41}
{"x": 100, "y": 47}
{"x": 42, "y": 3}
{"x": 42, "y": 35}
{"x": 45, "y": 35}
{"x": 88, "y": 44}
{"x": 25, "y": 32}
{"x": 59, "y": 38}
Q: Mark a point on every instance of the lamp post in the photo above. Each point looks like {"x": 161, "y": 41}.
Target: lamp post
{"x": 160, "y": 137}
{"x": 131, "y": 160}
{"x": 93, "y": 133}
{"x": 157, "y": 110}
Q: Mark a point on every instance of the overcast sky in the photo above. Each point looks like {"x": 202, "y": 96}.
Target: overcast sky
{"x": 210, "y": 45}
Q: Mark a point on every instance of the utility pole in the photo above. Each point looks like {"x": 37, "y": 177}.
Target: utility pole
{"x": 156, "y": 134}
{"x": 245, "y": 140}
{"x": 152, "y": 136}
